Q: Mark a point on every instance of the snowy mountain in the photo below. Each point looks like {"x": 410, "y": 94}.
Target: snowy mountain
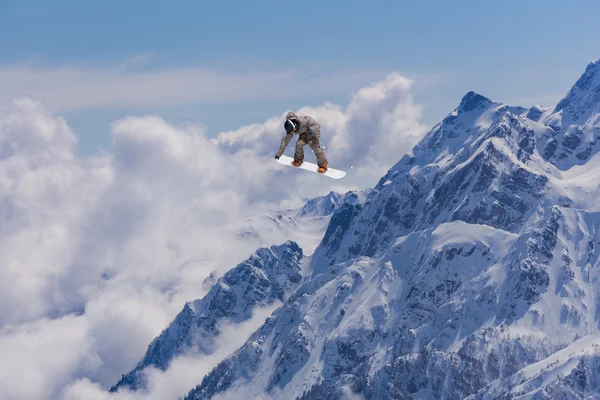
{"x": 268, "y": 276}
{"x": 575, "y": 122}
{"x": 469, "y": 271}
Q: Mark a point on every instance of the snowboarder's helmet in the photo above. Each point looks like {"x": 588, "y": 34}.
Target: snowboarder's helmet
{"x": 289, "y": 126}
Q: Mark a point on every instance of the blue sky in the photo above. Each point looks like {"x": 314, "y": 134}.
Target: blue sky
{"x": 94, "y": 62}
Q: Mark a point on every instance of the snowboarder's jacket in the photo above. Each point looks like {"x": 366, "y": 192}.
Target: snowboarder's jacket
{"x": 307, "y": 127}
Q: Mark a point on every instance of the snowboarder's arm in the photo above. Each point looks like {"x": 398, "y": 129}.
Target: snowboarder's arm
{"x": 284, "y": 142}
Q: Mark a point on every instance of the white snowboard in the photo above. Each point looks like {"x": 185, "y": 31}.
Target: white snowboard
{"x": 332, "y": 173}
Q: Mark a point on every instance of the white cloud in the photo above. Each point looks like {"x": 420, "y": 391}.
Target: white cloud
{"x": 98, "y": 254}
{"x": 75, "y": 88}
{"x": 122, "y": 240}
{"x": 41, "y": 357}
{"x": 380, "y": 124}
{"x": 184, "y": 373}
{"x": 44, "y": 190}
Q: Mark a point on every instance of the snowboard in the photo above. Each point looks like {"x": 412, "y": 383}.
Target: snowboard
{"x": 331, "y": 172}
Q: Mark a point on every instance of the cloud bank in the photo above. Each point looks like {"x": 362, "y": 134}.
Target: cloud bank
{"x": 98, "y": 254}
{"x": 184, "y": 373}
{"x": 380, "y": 124}
{"x": 75, "y": 88}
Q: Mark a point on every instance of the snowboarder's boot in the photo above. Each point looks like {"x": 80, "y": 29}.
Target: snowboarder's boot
{"x": 297, "y": 163}
{"x": 323, "y": 168}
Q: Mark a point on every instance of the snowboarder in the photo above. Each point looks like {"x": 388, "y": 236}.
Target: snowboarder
{"x": 309, "y": 132}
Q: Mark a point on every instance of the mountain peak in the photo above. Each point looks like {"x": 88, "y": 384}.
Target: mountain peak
{"x": 584, "y": 95}
{"x": 472, "y": 101}
{"x": 327, "y": 204}
{"x": 592, "y": 68}
{"x": 320, "y": 206}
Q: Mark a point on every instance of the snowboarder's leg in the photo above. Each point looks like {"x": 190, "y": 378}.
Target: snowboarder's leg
{"x": 299, "y": 155}
{"x": 315, "y": 145}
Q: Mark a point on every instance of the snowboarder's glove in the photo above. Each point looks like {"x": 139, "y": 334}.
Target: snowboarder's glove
{"x": 277, "y": 157}
{"x": 310, "y": 131}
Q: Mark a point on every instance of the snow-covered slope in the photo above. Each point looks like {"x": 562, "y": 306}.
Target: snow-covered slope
{"x": 349, "y": 317}
{"x": 570, "y": 373}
